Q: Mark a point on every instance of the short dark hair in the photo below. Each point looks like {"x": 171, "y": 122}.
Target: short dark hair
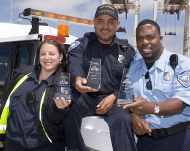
{"x": 148, "y": 21}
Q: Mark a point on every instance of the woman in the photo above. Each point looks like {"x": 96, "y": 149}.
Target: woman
{"x": 31, "y": 113}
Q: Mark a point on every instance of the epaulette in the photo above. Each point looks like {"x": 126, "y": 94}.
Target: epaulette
{"x": 26, "y": 69}
{"x": 90, "y": 35}
{"x": 123, "y": 43}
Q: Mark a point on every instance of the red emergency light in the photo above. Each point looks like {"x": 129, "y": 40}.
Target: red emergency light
{"x": 60, "y": 39}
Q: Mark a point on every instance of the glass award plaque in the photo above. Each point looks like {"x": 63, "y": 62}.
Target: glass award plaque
{"x": 94, "y": 73}
{"x": 63, "y": 88}
{"x": 125, "y": 94}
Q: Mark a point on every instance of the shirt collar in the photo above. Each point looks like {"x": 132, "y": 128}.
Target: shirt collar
{"x": 35, "y": 75}
{"x": 116, "y": 40}
{"x": 161, "y": 62}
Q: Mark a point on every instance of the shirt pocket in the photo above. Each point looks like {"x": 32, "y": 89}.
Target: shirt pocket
{"x": 164, "y": 86}
{"x": 17, "y": 93}
{"x": 117, "y": 69}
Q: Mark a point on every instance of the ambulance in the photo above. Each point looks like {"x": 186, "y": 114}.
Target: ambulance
{"x": 18, "y": 48}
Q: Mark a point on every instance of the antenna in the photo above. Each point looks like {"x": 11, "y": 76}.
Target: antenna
{"x": 11, "y": 11}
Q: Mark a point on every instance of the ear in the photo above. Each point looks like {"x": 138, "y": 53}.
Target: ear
{"x": 161, "y": 37}
{"x": 118, "y": 25}
{"x": 60, "y": 57}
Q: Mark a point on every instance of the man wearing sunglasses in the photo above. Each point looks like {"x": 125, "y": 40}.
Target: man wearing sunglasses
{"x": 161, "y": 89}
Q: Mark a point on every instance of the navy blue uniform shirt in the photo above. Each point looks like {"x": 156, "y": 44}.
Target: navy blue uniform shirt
{"x": 114, "y": 57}
{"x": 24, "y": 126}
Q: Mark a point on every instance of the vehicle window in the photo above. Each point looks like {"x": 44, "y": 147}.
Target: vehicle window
{"x": 14, "y": 55}
{"x": 5, "y": 51}
{"x": 26, "y": 54}
{"x": 22, "y": 56}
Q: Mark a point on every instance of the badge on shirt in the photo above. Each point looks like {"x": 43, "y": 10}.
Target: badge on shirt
{"x": 121, "y": 58}
{"x": 184, "y": 78}
{"x": 73, "y": 45}
{"x": 167, "y": 76}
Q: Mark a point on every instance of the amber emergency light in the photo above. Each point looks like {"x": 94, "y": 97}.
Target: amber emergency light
{"x": 63, "y": 30}
{"x": 33, "y": 12}
{"x": 62, "y": 33}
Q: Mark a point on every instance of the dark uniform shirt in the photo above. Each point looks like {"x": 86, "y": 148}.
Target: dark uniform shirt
{"x": 114, "y": 57}
{"x": 23, "y": 123}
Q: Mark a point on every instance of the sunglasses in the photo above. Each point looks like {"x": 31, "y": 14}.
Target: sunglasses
{"x": 148, "y": 83}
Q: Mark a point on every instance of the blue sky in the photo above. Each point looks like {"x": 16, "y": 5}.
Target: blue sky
{"x": 86, "y": 9}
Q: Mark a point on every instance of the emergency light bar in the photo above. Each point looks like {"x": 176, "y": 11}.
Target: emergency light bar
{"x": 60, "y": 39}
{"x": 33, "y": 12}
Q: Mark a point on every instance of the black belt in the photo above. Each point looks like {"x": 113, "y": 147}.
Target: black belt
{"x": 171, "y": 130}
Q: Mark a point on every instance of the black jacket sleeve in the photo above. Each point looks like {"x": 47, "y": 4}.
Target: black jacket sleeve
{"x": 54, "y": 114}
{"x": 75, "y": 58}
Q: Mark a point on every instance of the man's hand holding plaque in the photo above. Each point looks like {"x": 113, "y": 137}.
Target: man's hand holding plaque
{"x": 80, "y": 85}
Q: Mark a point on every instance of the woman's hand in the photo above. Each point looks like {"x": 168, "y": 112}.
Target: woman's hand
{"x": 62, "y": 103}
{"x": 2, "y": 144}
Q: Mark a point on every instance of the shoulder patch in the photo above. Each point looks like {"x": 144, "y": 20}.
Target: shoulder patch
{"x": 73, "y": 45}
{"x": 184, "y": 78}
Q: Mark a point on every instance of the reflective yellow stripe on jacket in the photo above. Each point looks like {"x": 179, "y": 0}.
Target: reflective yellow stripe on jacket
{"x": 40, "y": 115}
{"x": 5, "y": 113}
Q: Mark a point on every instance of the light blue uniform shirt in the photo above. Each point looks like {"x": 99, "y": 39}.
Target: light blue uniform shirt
{"x": 165, "y": 85}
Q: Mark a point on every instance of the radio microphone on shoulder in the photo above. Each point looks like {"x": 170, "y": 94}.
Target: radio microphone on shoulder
{"x": 173, "y": 61}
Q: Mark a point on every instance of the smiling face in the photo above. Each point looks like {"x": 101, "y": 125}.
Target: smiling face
{"x": 49, "y": 57}
{"x": 149, "y": 42}
{"x": 105, "y": 27}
